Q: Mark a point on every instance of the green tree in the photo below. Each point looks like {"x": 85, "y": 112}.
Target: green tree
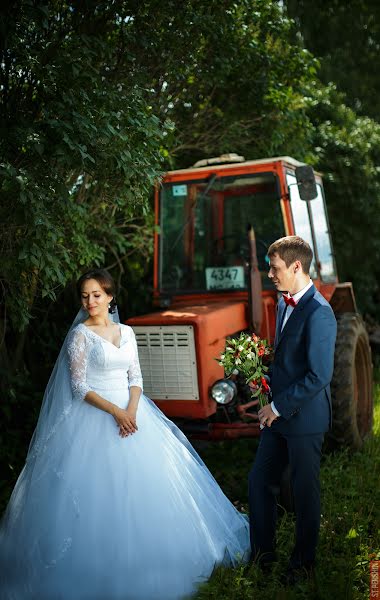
{"x": 80, "y": 148}
{"x": 345, "y": 36}
{"x": 345, "y": 113}
{"x": 347, "y": 152}
{"x": 234, "y": 79}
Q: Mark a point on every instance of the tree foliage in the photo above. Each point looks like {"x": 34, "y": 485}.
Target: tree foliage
{"x": 235, "y": 79}
{"x": 80, "y": 149}
{"x": 345, "y": 36}
{"x": 347, "y": 151}
{"x": 345, "y": 113}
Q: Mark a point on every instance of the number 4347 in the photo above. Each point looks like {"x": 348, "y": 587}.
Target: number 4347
{"x": 221, "y": 274}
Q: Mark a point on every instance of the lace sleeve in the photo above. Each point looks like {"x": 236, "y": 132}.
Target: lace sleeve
{"x": 78, "y": 349}
{"x": 134, "y": 370}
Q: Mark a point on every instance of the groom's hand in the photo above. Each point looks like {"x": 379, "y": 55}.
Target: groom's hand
{"x": 266, "y": 415}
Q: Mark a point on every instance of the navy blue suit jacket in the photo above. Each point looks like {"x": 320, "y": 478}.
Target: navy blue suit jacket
{"x": 303, "y": 365}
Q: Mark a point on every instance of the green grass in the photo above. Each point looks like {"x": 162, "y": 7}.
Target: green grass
{"x": 350, "y": 526}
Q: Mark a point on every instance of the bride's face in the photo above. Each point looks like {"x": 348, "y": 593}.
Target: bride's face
{"x": 94, "y": 299}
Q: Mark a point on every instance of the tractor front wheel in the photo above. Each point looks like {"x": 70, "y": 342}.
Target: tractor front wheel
{"x": 351, "y": 387}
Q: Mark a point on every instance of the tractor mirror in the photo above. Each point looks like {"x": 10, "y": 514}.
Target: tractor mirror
{"x": 307, "y": 187}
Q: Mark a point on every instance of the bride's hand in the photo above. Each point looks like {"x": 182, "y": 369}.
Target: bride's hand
{"x": 126, "y": 420}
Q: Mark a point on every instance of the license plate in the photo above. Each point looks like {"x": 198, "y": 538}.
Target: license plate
{"x": 225, "y": 278}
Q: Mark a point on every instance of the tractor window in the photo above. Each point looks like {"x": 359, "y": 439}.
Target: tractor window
{"x": 301, "y": 218}
{"x": 203, "y": 242}
{"x": 322, "y": 237}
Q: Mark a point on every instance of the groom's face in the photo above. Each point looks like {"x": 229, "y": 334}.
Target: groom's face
{"x": 282, "y": 277}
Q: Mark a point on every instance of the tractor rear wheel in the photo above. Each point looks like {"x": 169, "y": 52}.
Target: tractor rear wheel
{"x": 351, "y": 386}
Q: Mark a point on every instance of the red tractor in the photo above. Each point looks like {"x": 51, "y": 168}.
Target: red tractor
{"x": 210, "y": 283}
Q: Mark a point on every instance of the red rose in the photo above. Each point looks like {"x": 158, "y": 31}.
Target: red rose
{"x": 261, "y": 351}
{"x": 265, "y": 385}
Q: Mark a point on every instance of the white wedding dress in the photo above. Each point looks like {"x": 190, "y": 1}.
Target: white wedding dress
{"x": 95, "y": 516}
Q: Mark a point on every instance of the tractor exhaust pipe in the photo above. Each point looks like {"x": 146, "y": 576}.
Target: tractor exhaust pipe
{"x": 255, "y": 308}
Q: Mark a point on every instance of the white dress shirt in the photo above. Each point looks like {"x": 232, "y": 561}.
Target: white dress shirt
{"x": 288, "y": 311}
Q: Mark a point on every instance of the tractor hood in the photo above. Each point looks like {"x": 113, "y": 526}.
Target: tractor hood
{"x": 213, "y": 321}
{"x": 210, "y": 325}
{"x": 198, "y": 368}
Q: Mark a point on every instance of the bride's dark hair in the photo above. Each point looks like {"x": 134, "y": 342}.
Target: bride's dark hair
{"x": 104, "y": 279}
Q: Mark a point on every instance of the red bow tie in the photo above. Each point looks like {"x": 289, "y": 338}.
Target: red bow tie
{"x": 289, "y": 301}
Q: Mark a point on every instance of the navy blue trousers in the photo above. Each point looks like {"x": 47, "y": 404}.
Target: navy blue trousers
{"x": 303, "y": 453}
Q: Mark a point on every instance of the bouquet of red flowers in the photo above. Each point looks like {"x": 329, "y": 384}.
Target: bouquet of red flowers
{"x": 244, "y": 355}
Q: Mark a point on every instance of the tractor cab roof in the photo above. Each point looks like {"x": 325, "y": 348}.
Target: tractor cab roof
{"x": 231, "y": 161}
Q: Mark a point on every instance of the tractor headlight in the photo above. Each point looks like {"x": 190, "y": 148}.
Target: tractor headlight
{"x": 223, "y": 391}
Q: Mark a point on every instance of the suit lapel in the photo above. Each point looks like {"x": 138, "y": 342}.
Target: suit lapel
{"x": 293, "y": 317}
{"x": 281, "y": 306}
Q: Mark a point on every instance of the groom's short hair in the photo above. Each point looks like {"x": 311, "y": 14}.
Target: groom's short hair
{"x": 292, "y": 248}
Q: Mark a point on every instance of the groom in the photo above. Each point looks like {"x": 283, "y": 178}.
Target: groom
{"x": 300, "y": 413}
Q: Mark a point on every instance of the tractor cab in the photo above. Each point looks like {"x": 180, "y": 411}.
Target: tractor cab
{"x": 210, "y": 279}
{"x": 204, "y": 232}
{"x": 204, "y": 213}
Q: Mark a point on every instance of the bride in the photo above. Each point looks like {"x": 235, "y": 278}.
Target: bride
{"x": 113, "y": 502}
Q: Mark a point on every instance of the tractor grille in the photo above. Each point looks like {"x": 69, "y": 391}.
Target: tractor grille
{"x": 167, "y": 359}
